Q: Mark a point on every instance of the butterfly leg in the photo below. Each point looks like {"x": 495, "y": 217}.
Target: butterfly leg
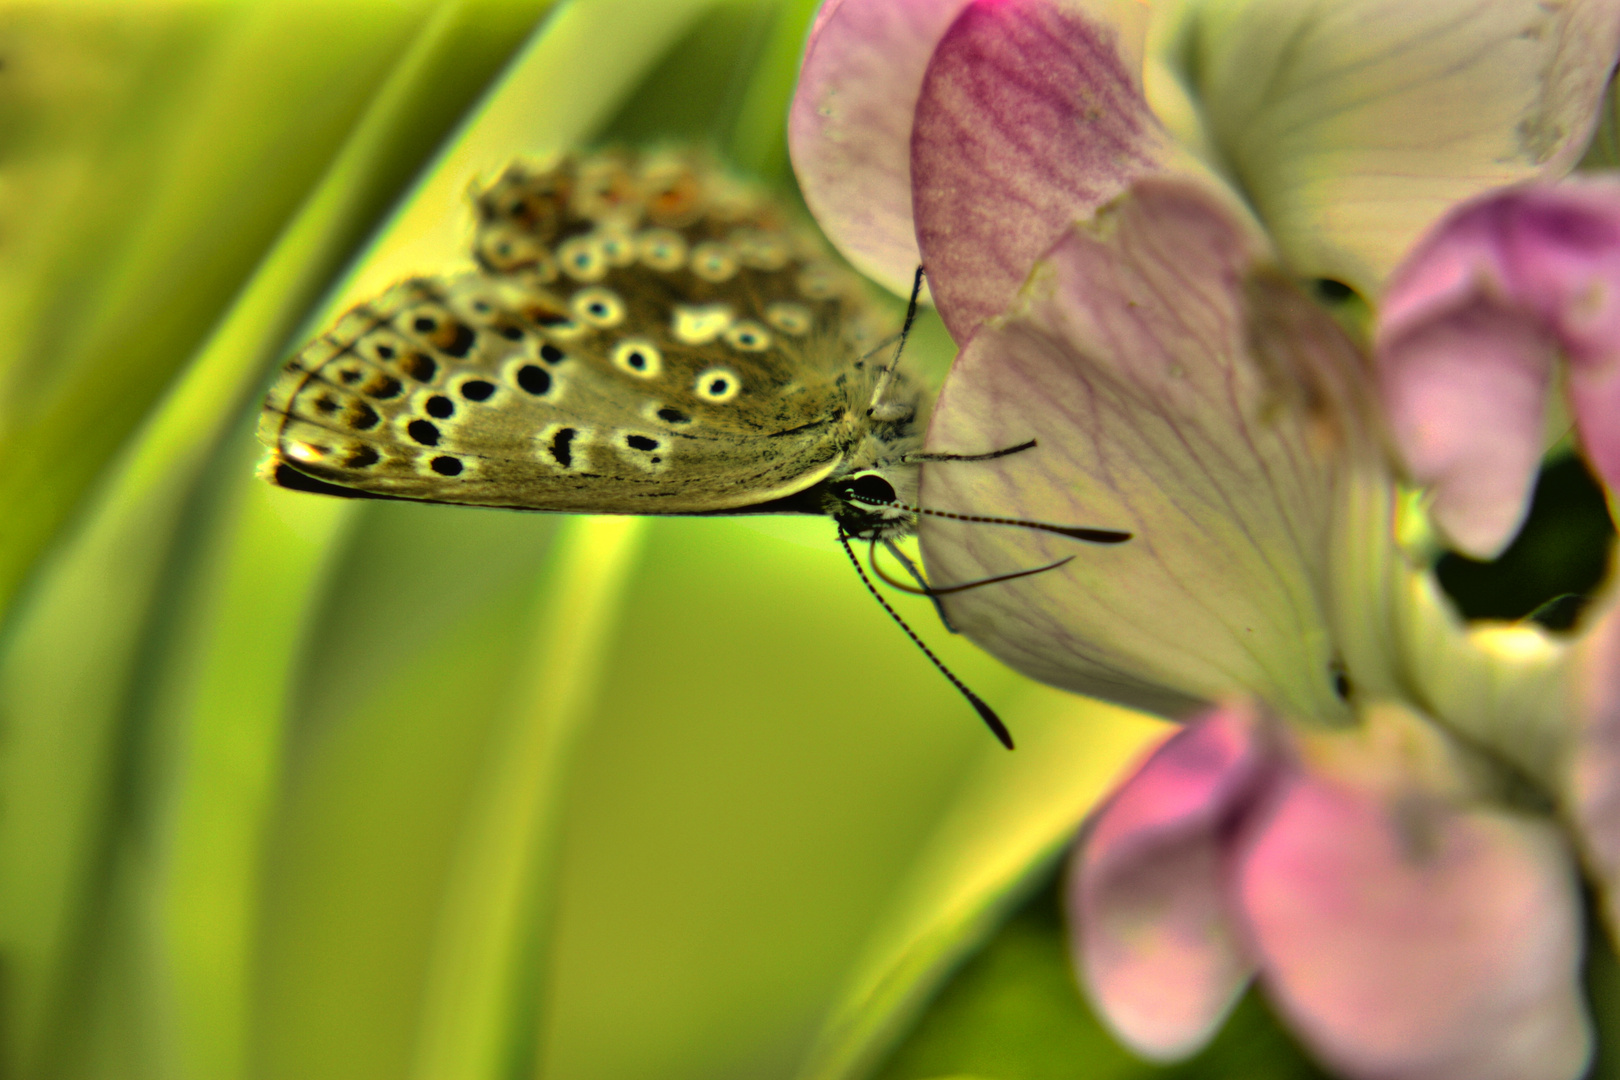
{"x": 881, "y": 408}
{"x": 934, "y": 592}
{"x": 991, "y": 456}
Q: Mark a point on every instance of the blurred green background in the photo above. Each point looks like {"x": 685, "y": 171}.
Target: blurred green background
{"x": 293, "y": 787}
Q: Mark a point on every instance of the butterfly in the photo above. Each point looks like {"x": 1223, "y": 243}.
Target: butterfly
{"x": 643, "y": 334}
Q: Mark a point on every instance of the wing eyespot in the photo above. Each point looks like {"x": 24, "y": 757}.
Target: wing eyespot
{"x": 618, "y": 248}
{"x": 713, "y": 262}
{"x": 662, "y": 249}
{"x": 748, "y": 336}
{"x": 563, "y": 447}
{"x": 362, "y": 457}
{"x": 446, "y": 465}
{"x": 425, "y": 432}
{"x": 699, "y": 324}
{"x": 477, "y": 389}
{"x": 534, "y": 379}
{"x": 638, "y": 357}
{"x": 817, "y": 283}
{"x": 582, "y": 259}
{"x": 717, "y": 384}
{"x": 642, "y": 450}
{"x": 600, "y": 307}
{"x": 668, "y": 414}
{"x": 788, "y": 317}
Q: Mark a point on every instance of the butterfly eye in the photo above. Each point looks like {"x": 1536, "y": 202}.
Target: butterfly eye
{"x": 748, "y": 336}
{"x": 713, "y": 262}
{"x": 871, "y": 489}
{"x": 717, "y": 384}
{"x": 639, "y": 357}
{"x": 598, "y": 306}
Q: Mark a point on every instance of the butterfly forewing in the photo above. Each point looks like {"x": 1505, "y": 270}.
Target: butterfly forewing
{"x": 643, "y": 335}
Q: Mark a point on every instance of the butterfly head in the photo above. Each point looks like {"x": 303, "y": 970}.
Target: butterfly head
{"x": 875, "y": 503}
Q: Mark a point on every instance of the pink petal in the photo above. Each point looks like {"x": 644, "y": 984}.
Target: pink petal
{"x": 1470, "y": 327}
{"x": 1153, "y": 933}
{"x": 1031, "y": 115}
{"x": 1404, "y": 938}
{"x": 1594, "y": 780}
{"x": 1595, "y": 400}
{"x": 1466, "y": 397}
{"x": 1152, "y": 372}
{"x": 849, "y": 128}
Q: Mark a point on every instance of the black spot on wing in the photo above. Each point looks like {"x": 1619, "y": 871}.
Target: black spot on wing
{"x": 560, "y": 446}
{"x": 534, "y": 379}
{"x": 418, "y": 366}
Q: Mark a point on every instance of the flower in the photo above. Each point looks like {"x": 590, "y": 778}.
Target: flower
{"x": 1469, "y": 330}
{"x": 1122, "y": 211}
{"x": 1330, "y": 863}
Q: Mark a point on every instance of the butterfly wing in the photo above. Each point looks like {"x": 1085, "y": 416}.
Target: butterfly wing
{"x": 626, "y": 362}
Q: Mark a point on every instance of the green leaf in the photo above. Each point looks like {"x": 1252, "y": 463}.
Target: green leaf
{"x": 1603, "y": 990}
{"x": 157, "y": 155}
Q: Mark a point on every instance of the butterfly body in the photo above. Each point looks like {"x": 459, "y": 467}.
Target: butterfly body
{"x": 642, "y": 336}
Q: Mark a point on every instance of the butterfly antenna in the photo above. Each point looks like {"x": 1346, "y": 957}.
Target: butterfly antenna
{"x": 922, "y": 588}
{"x": 986, "y": 713}
{"x": 886, "y": 379}
{"x": 1077, "y": 532}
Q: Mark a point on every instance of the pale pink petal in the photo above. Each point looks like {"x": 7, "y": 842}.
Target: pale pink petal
{"x": 1563, "y": 244}
{"x": 1155, "y": 375}
{"x": 1354, "y": 125}
{"x": 1466, "y": 396}
{"x": 1470, "y": 328}
{"x": 1595, "y": 400}
{"x": 849, "y": 128}
{"x": 1594, "y": 778}
{"x": 1152, "y": 927}
{"x": 1411, "y": 939}
{"x": 1031, "y": 115}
